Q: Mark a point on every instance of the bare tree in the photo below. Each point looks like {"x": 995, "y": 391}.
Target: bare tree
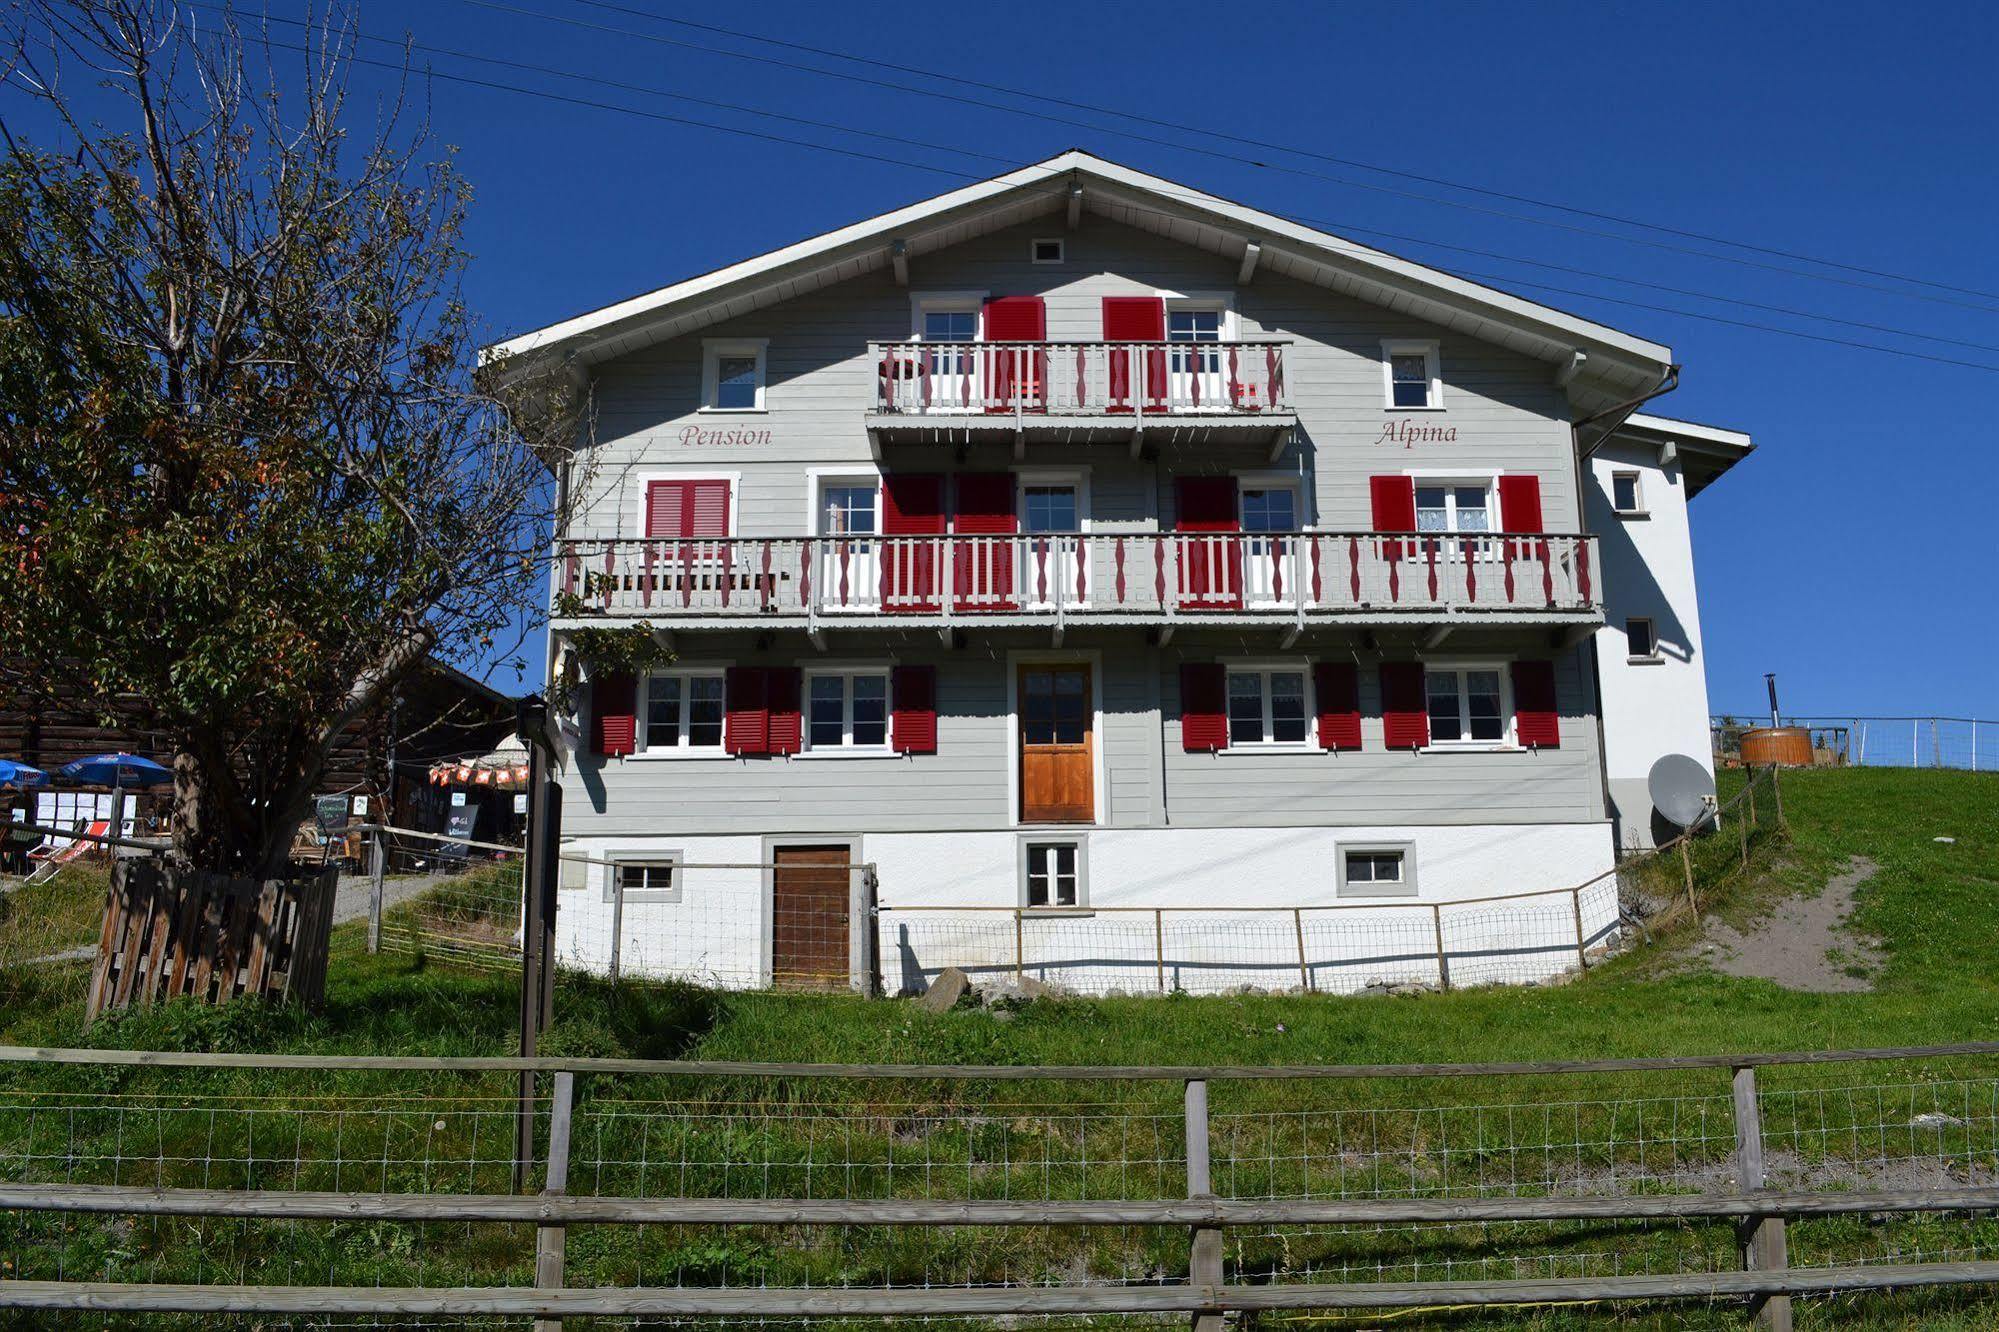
{"x": 249, "y": 475}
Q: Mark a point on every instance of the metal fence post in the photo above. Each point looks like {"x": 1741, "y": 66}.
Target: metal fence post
{"x": 377, "y": 871}
{"x": 1019, "y": 946}
{"x": 1159, "y": 946}
{"x": 617, "y": 922}
{"x": 1763, "y": 1239}
{"x": 550, "y": 1241}
{"x": 1936, "y": 745}
{"x": 1204, "y": 1253}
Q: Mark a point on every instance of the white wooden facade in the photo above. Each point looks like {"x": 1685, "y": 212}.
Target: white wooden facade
{"x": 1082, "y": 545}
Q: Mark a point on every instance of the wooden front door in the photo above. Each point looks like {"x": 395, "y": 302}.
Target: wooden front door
{"x": 809, "y": 903}
{"x": 1057, "y": 759}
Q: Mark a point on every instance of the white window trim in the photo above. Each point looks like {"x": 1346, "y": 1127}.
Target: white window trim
{"x": 712, "y": 352}
{"x": 1224, "y": 301}
{"x": 1079, "y": 479}
{"x": 1406, "y": 888}
{"x": 1061, "y": 250}
{"x": 1450, "y": 480}
{"x": 922, "y": 302}
{"x": 680, "y": 753}
{"x": 1082, "y": 844}
{"x": 846, "y": 749}
{"x": 1231, "y": 666}
{"x": 1652, "y": 658}
{"x": 1290, "y": 481}
{"x": 1508, "y": 741}
{"x": 646, "y": 856}
{"x": 1429, "y": 349}
{"x": 817, "y": 479}
{"x": 1637, "y": 493}
{"x": 642, "y": 487}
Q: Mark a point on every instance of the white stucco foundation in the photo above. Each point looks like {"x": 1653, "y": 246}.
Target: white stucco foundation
{"x": 1194, "y": 909}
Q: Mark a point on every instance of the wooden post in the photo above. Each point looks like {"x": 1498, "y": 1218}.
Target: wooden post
{"x": 617, "y": 922}
{"x": 1204, "y": 1255}
{"x": 1936, "y": 747}
{"x": 1763, "y": 1240}
{"x": 1019, "y": 947}
{"x": 1777, "y": 795}
{"x": 1304, "y": 970}
{"x": 1743, "y": 824}
{"x": 1443, "y": 959}
{"x": 551, "y": 1240}
{"x": 1582, "y": 943}
{"x": 377, "y": 871}
{"x": 1159, "y": 945}
{"x": 1687, "y": 869}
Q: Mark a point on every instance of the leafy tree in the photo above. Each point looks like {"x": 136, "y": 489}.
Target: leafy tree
{"x": 249, "y": 477}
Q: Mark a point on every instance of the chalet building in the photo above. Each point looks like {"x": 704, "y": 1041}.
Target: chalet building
{"x": 1098, "y": 558}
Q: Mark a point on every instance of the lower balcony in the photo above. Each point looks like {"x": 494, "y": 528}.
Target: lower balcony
{"x": 1089, "y": 578}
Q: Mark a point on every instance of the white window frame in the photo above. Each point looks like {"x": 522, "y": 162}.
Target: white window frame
{"x": 1061, "y": 250}
{"x": 641, "y": 896}
{"x": 1451, "y": 481}
{"x": 1405, "y": 888}
{"x": 644, "y": 749}
{"x": 1220, "y": 301}
{"x": 953, "y": 302}
{"x": 846, "y": 671}
{"x": 1507, "y": 719}
{"x": 1081, "y": 907}
{"x": 1428, "y": 348}
{"x": 819, "y": 480}
{"x": 1651, "y": 658}
{"x": 1063, "y": 580}
{"x": 712, "y": 352}
{"x": 1265, "y": 667}
{"x": 1637, "y": 478}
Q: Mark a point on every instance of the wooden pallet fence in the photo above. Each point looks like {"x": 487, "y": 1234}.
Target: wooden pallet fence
{"x": 171, "y": 932}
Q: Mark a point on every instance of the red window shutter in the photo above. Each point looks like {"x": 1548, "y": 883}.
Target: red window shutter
{"x": 614, "y": 720}
{"x": 913, "y": 720}
{"x": 1394, "y": 500}
{"x": 983, "y": 576}
{"x": 1338, "y": 686}
{"x": 1204, "y": 721}
{"x": 1536, "y": 715}
{"x": 666, "y": 508}
{"x": 746, "y": 721}
{"x": 1405, "y": 713}
{"x": 692, "y": 509}
{"x": 1136, "y": 319}
{"x": 1520, "y": 503}
{"x": 1016, "y": 319}
{"x": 912, "y": 505}
{"x": 786, "y": 726}
{"x": 1206, "y": 504}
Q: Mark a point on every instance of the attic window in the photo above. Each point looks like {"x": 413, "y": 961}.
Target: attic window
{"x": 1047, "y": 251}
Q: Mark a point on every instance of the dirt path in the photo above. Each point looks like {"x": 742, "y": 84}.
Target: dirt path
{"x": 1795, "y": 945}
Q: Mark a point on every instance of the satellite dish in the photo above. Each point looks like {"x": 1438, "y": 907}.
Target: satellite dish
{"x": 1682, "y": 790}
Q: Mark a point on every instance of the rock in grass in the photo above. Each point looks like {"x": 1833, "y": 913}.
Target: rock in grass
{"x": 944, "y": 993}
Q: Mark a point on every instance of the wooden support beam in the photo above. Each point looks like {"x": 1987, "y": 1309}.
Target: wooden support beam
{"x": 1250, "y": 254}
{"x": 1280, "y": 440}
{"x": 817, "y": 637}
{"x": 898, "y": 258}
{"x": 1075, "y": 206}
{"x": 1568, "y": 369}
{"x": 1437, "y": 635}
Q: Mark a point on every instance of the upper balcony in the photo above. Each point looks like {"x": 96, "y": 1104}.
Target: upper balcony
{"x": 1080, "y": 392}
{"x": 1288, "y": 579}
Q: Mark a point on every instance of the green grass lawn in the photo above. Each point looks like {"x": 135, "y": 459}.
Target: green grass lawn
{"x": 1934, "y": 906}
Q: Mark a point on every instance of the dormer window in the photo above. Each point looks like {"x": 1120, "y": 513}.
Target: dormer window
{"x": 1409, "y": 371}
{"x": 732, "y": 374}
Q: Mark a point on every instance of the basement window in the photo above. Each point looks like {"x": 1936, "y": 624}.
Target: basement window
{"x": 1378, "y": 870}
{"x": 653, "y": 878}
{"x": 1053, "y": 875}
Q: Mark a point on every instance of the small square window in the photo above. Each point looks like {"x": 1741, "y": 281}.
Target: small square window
{"x": 1052, "y": 875}
{"x": 1047, "y": 251}
{"x": 732, "y": 375}
{"x": 1625, "y": 496}
{"x": 1377, "y": 871}
{"x": 655, "y": 878}
{"x": 1410, "y": 372}
{"x": 1641, "y": 640}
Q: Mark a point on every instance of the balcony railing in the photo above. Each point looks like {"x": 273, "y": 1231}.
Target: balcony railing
{"x": 1108, "y": 379}
{"x": 1112, "y": 575}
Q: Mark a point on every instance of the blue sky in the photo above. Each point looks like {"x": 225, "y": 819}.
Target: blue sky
{"x": 1817, "y": 129}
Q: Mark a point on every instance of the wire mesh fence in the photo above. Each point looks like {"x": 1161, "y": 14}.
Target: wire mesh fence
{"x": 1047, "y": 1139}
{"x": 1965, "y": 743}
{"x": 447, "y": 897}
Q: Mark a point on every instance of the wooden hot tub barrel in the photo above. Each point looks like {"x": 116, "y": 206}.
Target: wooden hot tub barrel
{"x": 1786, "y": 746}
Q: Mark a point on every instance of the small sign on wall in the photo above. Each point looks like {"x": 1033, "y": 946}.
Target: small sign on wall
{"x": 1409, "y": 433}
{"x": 521, "y": 802}
{"x": 458, "y": 800}
{"x": 361, "y": 806}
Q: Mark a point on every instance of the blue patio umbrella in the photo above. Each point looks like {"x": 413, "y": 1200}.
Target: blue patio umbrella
{"x": 19, "y": 776}
{"x": 125, "y": 771}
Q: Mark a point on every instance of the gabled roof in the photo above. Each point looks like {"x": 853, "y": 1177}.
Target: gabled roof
{"x": 1705, "y": 451}
{"x": 1617, "y": 365}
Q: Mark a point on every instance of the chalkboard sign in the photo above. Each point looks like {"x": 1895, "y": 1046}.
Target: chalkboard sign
{"x": 330, "y": 812}
{"x": 461, "y": 824}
